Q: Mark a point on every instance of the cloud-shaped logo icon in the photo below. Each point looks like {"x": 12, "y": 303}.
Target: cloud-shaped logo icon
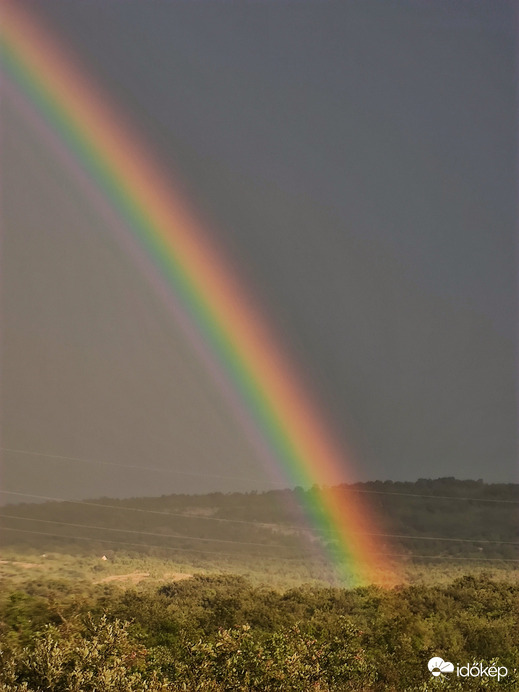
{"x": 437, "y": 666}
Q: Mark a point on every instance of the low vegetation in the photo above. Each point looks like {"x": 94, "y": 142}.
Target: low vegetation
{"x": 219, "y": 632}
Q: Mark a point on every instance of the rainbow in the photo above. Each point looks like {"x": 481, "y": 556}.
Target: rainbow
{"x": 221, "y": 314}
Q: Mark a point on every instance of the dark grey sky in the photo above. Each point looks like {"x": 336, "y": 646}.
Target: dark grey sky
{"x": 358, "y": 161}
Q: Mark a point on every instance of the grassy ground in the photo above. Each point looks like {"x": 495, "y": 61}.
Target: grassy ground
{"x": 19, "y": 567}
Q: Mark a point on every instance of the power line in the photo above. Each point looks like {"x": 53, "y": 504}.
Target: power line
{"x": 157, "y": 512}
{"x": 195, "y": 538}
{"x": 451, "y": 557}
{"x": 241, "y": 478}
{"x": 269, "y": 557}
{"x": 155, "y": 469}
{"x": 139, "y": 533}
{"x": 438, "y": 538}
{"x": 434, "y": 497}
{"x": 145, "y": 545}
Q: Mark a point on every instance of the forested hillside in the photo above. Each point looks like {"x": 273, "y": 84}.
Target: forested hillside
{"x": 428, "y": 519}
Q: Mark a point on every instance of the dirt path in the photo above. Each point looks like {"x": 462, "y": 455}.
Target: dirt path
{"x": 26, "y": 565}
{"x": 176, "y": 576}
{"x": 134, "y": 577}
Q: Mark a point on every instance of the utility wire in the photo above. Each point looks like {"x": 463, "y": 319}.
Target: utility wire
{"x": 157, "y": 512}
{"x": 435, "y": 497}
{"x": 350, "y": 488}
{"x": 155, "y": 469}
{"x": 270, "y": 557}
{"x": 218, "y": 540}
{"x": 241, "y": 478}
{"x": 140, "y": 533}
{"x": 438, "y": 538}
{"x": 146, "y": 545}
{"x": 451, "y": 557}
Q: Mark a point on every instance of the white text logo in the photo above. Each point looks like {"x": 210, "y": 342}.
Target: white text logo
{"x": 437, "y": 666}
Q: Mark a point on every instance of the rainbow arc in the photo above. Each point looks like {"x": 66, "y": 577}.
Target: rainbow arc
{"x": 224, "y": 319}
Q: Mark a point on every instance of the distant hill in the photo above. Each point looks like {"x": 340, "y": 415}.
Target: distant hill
{"x": 427, "y": 519}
